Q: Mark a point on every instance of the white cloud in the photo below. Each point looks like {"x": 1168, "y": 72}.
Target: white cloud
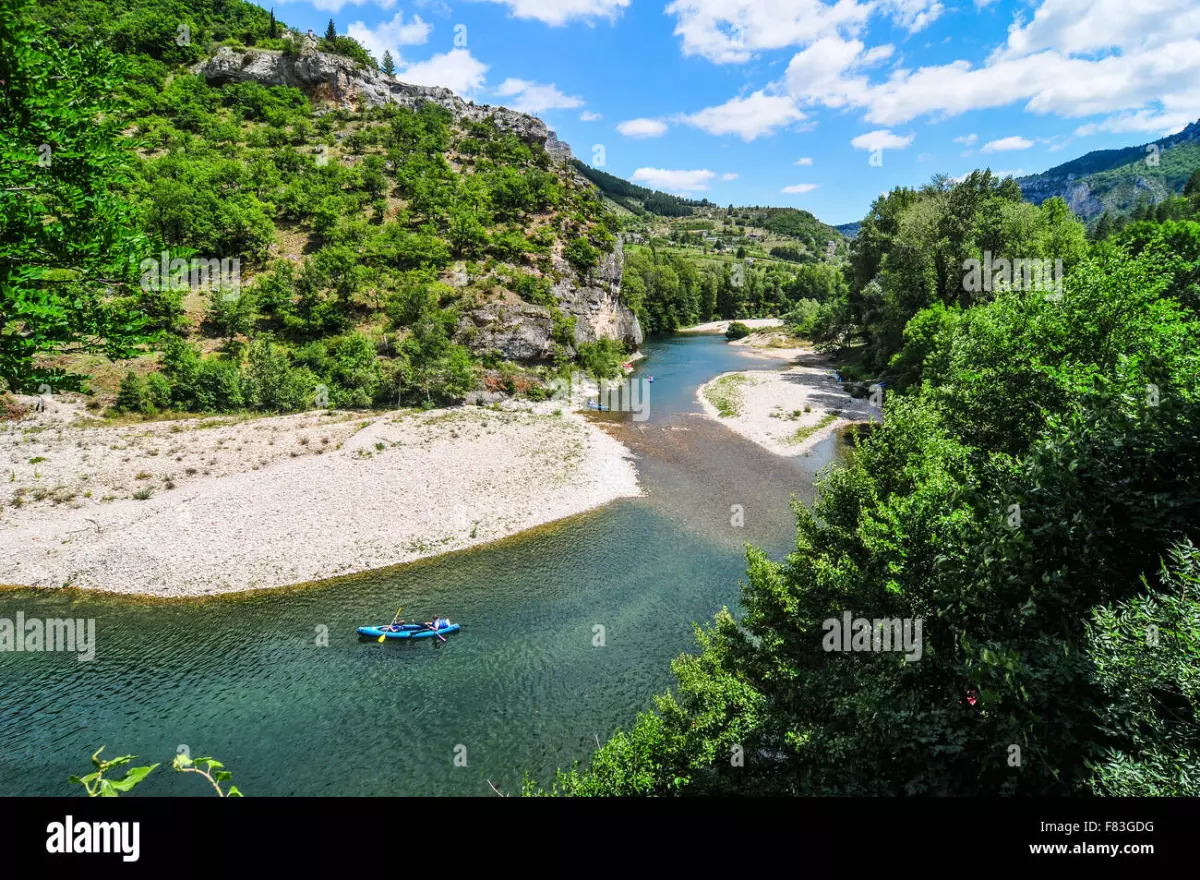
{"x": 818, "y": 75}
{"x": 882, "y": 139}
{"x": 389, "y": 36}
{"x": 533, "y": 98}
{"x": 725, "y": 31}
{"x": 1008, "y": 144}
{"x": 642, "y": 128}
{"x": 729, "y": 175}
{"x": 457, "y": 70}
{"x": 1137, "y": 63}
{"x": 338, "y": 5}
{"x": 913, "y": 15}
{"x": 589, "y": 116}
{"x": 804, "y": 161}
{"x": 967, "y": 140}
{"x": 1073, "y": 27}
{"x": 673, "y": 181}
{"x": 560, "y": 12}
{"x": 748, "y": 118}
{"x": 800, "y": 188}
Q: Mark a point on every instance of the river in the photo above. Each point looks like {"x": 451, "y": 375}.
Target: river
{"x": 278, "y": 686}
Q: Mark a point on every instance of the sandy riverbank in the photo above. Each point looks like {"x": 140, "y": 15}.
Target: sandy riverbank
{"x": 785, "y": 411}
{"x": 203, "y": 506}
{"x": 722, "y": 326}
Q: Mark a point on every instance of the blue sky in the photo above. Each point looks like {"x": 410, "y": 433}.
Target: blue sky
{"x": 802, "y": 103}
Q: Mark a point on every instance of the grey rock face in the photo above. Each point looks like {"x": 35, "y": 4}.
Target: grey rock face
{"x": 596, "y": 302}
{"x": 336, "y": 78}
{"x": 519, "y": 332}
{"x": 525, "y": 332}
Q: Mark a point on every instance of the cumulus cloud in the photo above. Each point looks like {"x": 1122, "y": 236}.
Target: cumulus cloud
{"x": 389, "y": 36}
{"x": 1138, "y": 65}
{"x": 642, "y": 128}
{"x": 913, "y": 15}
{"x": 732, "y": 31}
{"x": 800, "y": 188}
{"x": 457, "y": 70}
{"x": 1008, "y": 144}
{"x": 674, "y": 181}
{"x": 805, "y": 161}
{"x": 967, "y": 139}
{"x": 883, "y": 139}
{"x": 749, "y": 118}
{"x": 560, "y": 12}
{"x": 821, "y": 73}
{"x": 533, "y": 98}
{"x": 338, "y": 5}
{"x": 589, "y": 116}
{"x": 729, "y": 175}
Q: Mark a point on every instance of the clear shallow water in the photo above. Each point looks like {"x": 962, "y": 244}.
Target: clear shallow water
{"x": 522, "y": 688}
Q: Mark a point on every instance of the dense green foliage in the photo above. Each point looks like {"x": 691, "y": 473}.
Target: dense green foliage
{"x": 1032, "y": 498}
{"x": 336, "y": 230}
{"x": 68, "y": 243}
{"x": 800, "y": 225}
{"x": 913, "y": 249}
{"x": 672, "y": 290}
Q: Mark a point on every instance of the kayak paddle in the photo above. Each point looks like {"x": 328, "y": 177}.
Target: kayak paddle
{"x": 394, "y": 619}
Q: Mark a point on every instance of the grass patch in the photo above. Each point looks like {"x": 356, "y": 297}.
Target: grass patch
{"x": 804, "y": 433}
{"x": 726, "y": 394}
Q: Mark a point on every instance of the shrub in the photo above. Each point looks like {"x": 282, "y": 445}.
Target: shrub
{"x": 132, "y": 395}
{"x": 602, "y": 358}
{"x": 158, "y": 391}
{"x": 737, "y": 330}
{"x": 272, "y": 384}
{"x": 581, "y": 255}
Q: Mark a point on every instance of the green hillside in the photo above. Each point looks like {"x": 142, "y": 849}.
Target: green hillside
{"x": 366, "y": 238}
{"x": 1117, "y": 181}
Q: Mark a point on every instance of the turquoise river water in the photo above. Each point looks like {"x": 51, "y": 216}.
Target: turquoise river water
{"x": 522, "y": 689}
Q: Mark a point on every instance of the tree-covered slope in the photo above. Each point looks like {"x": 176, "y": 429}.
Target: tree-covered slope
{"x": 390, "y": 243}
{"x": 1031, "y": 502}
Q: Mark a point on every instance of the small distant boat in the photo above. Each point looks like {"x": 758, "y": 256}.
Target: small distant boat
{"x": 598, "y": 406}
{"x": 406, "y": 631}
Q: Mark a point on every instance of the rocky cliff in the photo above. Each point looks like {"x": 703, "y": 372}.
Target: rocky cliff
{"x": 343, "y": 81}
{"x": 517, "y": 330}
{"x": 524, "y": 331}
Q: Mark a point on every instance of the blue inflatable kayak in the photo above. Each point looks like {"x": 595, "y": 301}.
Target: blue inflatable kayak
{"x": 406, "y": 631}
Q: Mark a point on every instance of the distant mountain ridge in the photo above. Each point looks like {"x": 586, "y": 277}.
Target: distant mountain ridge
{"x": 1117, "y": 180}
{"x": 640, "y": 199}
